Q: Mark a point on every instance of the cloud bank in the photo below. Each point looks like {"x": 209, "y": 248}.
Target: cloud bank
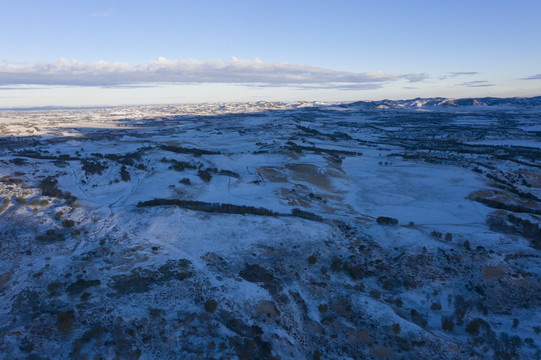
{"x": 462, "y": 73}
{"x": 101, "y": 73}
{"x": 476, "y": 83}
{"x": 458, "y": 73}
{"x": 533, "y": 77}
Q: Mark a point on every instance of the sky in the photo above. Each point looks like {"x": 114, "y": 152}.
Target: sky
{"x": 116, "y": 52}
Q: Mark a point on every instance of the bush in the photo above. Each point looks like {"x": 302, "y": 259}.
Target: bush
{"x": 447, "y": 325}
{"x": 68, "y": 223}
{"x": 385, "y": 220}
{"x": 181, "y": 165}
{"x": 209, "y": 207}
{"x": 211, "y": 305}
{"x": 306, "y": 215}
{"x": 185, "y": 181}
{"x": 50, "y": 236}
{"x": 65, "y": 321}
{"x": 475, "y": 325}
{"x": 92, "y": 166}
{"x": 124, "y": 174}
{"x": 336, "y": 265}
{"x": 204, "y": 175}
{"x": 48, "y": 188}
{"x": 418, "y": 318}
{"x": 182, "y": 150}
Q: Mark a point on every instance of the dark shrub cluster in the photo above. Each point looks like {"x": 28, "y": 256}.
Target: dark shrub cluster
{"x": 516, "y": 225}
{"x": 210, "y": 207}
{"x": 385, "y": 220}
{"x": 495, "y": 204}
{"x": 183, "y": 150}
{"x": 224, "y": 172}
{"x": 68, "y": 223}
{"x": 305, "y": 215}
{"x": 204, "y": 175}
{"x": 33, "y": 154}
{"x": 124, "y": 174}
{"x": 334, "y": 136}
{"x": 48, "y": 188}
{"x": 299, "y": 148}
{"x": 181, "y": 165}
{"x": 126, "y": 159}
{"x": 50, "y": 236}
{"x": 93, "y": 166}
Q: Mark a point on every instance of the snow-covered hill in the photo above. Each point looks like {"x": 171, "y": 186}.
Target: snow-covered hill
{"x": 389, "y": 229}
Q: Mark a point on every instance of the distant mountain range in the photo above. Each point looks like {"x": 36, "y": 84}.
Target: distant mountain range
{"x": 438, "y": 102}
{"x": 434, "y": 104}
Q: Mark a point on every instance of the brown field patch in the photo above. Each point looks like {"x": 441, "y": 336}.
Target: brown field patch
{"x": 311, "y": 174}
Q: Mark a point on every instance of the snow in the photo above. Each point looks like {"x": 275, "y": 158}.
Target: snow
{"x": 398, "y": 163}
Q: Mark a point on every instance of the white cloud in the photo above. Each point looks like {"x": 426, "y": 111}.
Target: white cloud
{"x": 533, "y": 77}
{"x": 476, "y": 83}
{"x": 458, "y": 73}
{"x": 462, "y": 73}
{"x": 101, "y": 73}
{"x": 102, "y": 14}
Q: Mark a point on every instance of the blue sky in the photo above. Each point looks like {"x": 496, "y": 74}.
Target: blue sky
{"x": 130, "y": 52}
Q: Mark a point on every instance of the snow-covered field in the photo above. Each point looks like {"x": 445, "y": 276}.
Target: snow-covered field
{"x": 299, "y": 230}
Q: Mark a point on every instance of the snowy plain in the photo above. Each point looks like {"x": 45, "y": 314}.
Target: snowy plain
{"x": 91, "y": 267}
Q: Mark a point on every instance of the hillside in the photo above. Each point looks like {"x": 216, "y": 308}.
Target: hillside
{"x": 391, "y": 229}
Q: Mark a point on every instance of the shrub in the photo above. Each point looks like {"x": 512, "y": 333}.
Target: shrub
{"x": 447, "y": 325}
{"x": 385, "y": 220}
{"x": 306, "y": 215}
{"x": 418, "y": 318}
{"x": 436, "y": 235}
{"x": 185, "y": 181}
{"x": 65, "y": 321}
{"x": 209, "y": 207}
{"x": 68, "y": 223}
{"x": 336, "y": 265}
{"x": 473, "y": 326}
{"x": 312, "y": 259}
{"x": 204, "y": 175}
{"x": 48, "y": 187}
{"x": 124, "y": 174}
{"x": 211, "y": 305}
{"x": 182, "y": 150}
{"x": 92, "y": 166}
{"x": 181, "y": 165}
